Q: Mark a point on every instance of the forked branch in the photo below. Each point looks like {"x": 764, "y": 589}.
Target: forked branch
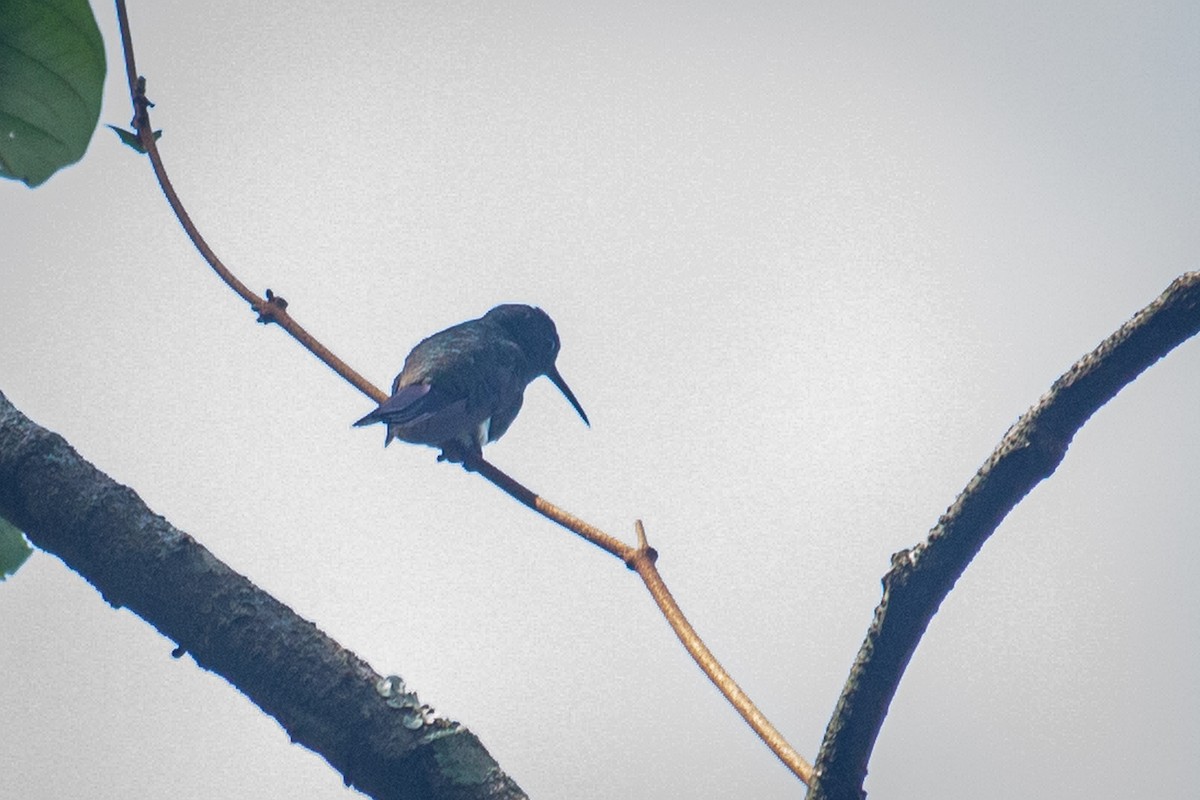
{"x": 921, "y": 577}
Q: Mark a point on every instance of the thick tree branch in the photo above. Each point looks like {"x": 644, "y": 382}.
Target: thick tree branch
{"x": 324, "y": 696}
{"x": 921, "y": 577}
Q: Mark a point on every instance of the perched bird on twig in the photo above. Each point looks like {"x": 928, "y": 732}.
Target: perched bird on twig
{"x": 462, "y": 387}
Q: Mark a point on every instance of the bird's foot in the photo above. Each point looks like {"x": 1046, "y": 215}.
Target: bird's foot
{"x": 458, "y": 453}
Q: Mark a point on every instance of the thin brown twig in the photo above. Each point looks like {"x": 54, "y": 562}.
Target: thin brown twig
{"x": 641, "y": 559}
{"x": 642, "y": 562}
{"x": 270, "y": 309}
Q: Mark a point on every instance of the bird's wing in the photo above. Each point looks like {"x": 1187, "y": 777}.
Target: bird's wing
{"x": 423, "y": 413}
{"x": 408, "y": 404}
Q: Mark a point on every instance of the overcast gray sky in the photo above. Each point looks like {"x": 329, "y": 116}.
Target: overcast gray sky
{"x": 808, "y": 262}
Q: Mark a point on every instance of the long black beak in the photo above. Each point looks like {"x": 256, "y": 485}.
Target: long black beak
{"x": 558, "y": 381}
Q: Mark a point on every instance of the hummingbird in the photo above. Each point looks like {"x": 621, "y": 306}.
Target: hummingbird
{"x": 462, "y": 387}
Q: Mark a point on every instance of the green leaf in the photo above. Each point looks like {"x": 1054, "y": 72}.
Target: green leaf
{"x": 51, "y": 77}
{"x": 130, "y": 139}
{"x": 13, "y": 548}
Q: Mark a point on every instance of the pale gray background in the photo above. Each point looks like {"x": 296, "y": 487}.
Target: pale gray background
{"x": 808, "y": 263}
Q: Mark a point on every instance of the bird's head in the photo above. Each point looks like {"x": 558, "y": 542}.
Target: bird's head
{"x": 534, "y": 332}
